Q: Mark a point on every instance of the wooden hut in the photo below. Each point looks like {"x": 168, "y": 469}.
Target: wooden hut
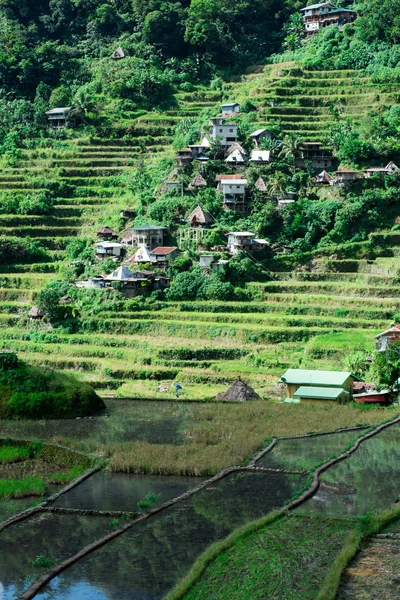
{"x": 35, "y": 313}
{"x": 106, "y": 233}
{"x": 260, "y": 185}
{"x": 197, "y": 182}
{"x": 199, "y": 217}
{"x": 240, "y": 391}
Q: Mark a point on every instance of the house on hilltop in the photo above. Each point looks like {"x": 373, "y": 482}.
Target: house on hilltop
{"x": 390, "y": 168}
{"x": 197, "y": 182}
{"x": 108, "y": 249}
{"x": 229, "y": 108}
{"x": 245, "y": 241}
{"x": 260, "y": 157}
{"x": 58, "y": 117}
{"x": 260, "y": 134}
{"x": 316, "y": 154}
{"x": 382, "y": 340}
{"x": 324, "y": 14}
{"x": 234, "y": 193}
{"x": 226, "y": 133}
{"x": 106, "y": 233}
{"x": 149, "y": 235}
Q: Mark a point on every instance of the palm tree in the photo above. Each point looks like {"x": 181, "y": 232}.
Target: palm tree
{"x": 292, "y": 147}
{"x": 276, "y": 184}
{"x": 83, "y": 104}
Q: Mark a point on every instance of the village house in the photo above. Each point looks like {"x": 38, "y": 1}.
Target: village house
{"x": 184, "y": 157}
{"x": 91, "y": 282}
{"x": 327, "y": 394}
{"x": 108, "y": 249}
{"x": 198, "y": 150}
{"x": 245, "y": 241}
{"x": 315, "y": 154}
{"x": 106, "y": 233}
{"x": 136, "y": 283}
{"x": 346, "y": 176}
{"x": 260, "y": 134}
{"x": 229, "y": 108}
{"x": 160, "y": 255}
{"x": 197, "y": 182}
{"x": 198, "y": 220}
{"x": 260, "y": 185}
{"x": 382, "y": 340}
{"x": 118, "y": 53}
{"x": 58, "y": 117}
{"x": 237, "y": 157}
{"x": 388, "y": 170}
{"x": 226, "y": 133}
{"x": 313, "y": 380}
{"x": 150, "y": 236}
{"x": 321, "y": 15}
{"x": 260, "y": 157}
{"x": 208, "y": 264}
{"x": 324, "y": 178}
{"x": 234, "y": 193}
{"x": 219, "y": 178}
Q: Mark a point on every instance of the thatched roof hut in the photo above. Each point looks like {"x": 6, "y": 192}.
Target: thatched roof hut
{"x": 260, "y": 185}
{"x": 35, "y": 313}
{"x": 198, "y": 181}
{"x": 199, "y": 216}
{"x": 240, "y": 391}
{"x": 118, "y": 53}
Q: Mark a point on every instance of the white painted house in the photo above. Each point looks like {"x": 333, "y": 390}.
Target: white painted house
{"x": 244, "y": 240}
{"x": 144, "y": 235}
{"x": 260, "y": 157}
{"x": 104, "y": 249}
{"x": 313, "y": 15}
{"x": 234, "y": 193}
{"x": 236, "y": 157}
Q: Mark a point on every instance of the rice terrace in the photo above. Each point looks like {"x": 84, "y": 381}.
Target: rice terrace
{"x": 199, "y": 300}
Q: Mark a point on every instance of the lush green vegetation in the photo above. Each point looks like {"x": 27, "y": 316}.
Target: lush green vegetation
{"x": 294, "y": 553}
{"x": 31, "y": 392}
{"x": 18, "y": 488}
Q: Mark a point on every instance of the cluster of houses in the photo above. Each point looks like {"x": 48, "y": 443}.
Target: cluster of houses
{"x": 322, "y": 15}
{"x": 345, "y": 177}
{"x": 303, "y": 385}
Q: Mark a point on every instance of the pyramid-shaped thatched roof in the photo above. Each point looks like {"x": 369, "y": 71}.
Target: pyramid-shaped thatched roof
{"x": 198, "y": 181}
{"x": 35, "y": 313}
{"x": 199, "y": 215}
{"x": 120, "y": 274}
{"x": 118, "y": 53}
{"x": 235, "y": 146}
{"x": 240, "y": 391}
{"x": 260, "y": 185}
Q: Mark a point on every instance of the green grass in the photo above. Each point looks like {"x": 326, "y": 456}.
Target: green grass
{"x": 11, "y": 454}
{"x": 286, "y": 559}
{"x": 66, "y": 477}
{"x": 19, "y": 488}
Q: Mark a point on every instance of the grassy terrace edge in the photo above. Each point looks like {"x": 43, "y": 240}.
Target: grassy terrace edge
{"x": 331, "y": 582}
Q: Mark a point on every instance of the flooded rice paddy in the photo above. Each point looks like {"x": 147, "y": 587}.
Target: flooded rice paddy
{"x": 146, "y": 561}
{"x": 368, "y": 480}
{"x": 149, "y": 559}
{"x": 304, "y": 453}
{"x": 119, "y": 491}
{"x": 124, "y": 420}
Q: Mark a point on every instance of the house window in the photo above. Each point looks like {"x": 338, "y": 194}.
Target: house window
{"x": 231, "y": 131}
{"x": 220, "y": 130}
{"x": 238, "y": 187}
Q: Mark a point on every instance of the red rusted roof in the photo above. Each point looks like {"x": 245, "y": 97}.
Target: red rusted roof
{"x": 220, "y": 177}
{"x": 163, "y": 250}
{"x": 346, "y": 171}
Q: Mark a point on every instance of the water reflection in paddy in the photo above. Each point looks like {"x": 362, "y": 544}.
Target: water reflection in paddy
{"x": 49, "y": 535}
{"x": 154, "y": 422}
{"x": 121, "y": 491}
{"x": 304, "y": 453}
{"x": 368, "y": 480}
{"x": 145, "y": 562}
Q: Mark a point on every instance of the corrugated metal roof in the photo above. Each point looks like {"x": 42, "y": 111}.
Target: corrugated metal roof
{"x": 323, "y": 393}
{"x": 313, "y": 377}
{"x": 163, "y": 250}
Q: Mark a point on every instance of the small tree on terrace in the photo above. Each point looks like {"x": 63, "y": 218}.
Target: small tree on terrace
{"x": 292, "y": 147}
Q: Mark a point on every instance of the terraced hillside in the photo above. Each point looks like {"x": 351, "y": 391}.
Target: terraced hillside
{"x": 300, "y": 318}
{"x": 304, "y": 102}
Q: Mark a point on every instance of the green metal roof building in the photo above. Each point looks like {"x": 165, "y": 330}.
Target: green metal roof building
{"x": 296, "y": 378}
{"x": 322, "y": 393}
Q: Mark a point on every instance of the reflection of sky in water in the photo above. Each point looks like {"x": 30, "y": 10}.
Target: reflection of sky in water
{"x": 79, "y": 591}
{"x": 150, "y": 558}
{"x": 304, "y": 453}
{"x": 368, "y": 480}
{"x": 155, "y": 422}
{"x": 121, "y": 491}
